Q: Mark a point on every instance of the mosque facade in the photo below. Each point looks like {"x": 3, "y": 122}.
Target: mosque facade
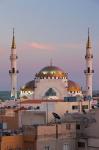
{"x": 51, "y": 82}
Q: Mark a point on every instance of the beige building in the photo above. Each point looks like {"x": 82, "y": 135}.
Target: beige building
{"x": 76, "y": 131}
{"x": 41, "y": 110}
{"x": 66, "y": 133}
{"x": 33, "y": 112}
{"x": 32, "y": 118}
{"x": 9, "y": 119}
{"x": 45, "y": 137}
{"x": 92, "y": 132}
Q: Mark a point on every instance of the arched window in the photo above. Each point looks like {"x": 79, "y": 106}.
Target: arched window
{"x": 50, "y": 92}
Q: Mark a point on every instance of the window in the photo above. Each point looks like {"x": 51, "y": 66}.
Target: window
{"x": 68, "y": 126}
{"x": 85, "y": 107}
{"x": 88, "y": 69}
{"x": 50, "y": 92}
{"x": 81, "y": 144}
{"x": 66, "y": 147}
{"x": 77, "y": 126}
{"x": 74, "y": 107}
{"x": 47, "y": 148}
{"x": 13, "y": 70}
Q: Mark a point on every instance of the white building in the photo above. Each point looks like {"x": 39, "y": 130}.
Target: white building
{"x": 51, "y": 82}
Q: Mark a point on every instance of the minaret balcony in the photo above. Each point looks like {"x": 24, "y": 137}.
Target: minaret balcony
{"x": 13, "y": 71}
{"x": 17, "y": 71}
{"x": 88, "y": 72}
{"x": 13, "y": 57}
{"x": 88, "y": 56}
{"x": 92, "y": 71}
{"x": 10, "y": 71}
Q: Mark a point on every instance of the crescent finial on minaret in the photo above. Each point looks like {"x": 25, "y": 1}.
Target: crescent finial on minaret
{"x": 88, "y": 45}
{"x": 13, "y": 41}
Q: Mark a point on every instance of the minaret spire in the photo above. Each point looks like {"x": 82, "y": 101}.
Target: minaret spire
{"x": 88, "y": 45}
{"x": 13, "y": 41}
{"x": 89, "y": 67}
{"x": 13, "y": 71}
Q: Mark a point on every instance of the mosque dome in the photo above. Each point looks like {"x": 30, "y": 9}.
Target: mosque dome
{"x": 29, "y": 86}
{"x": 51, "y": 71}
{"x": 73, "y": 86}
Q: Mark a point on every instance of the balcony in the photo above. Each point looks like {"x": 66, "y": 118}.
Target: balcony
{"x": 88, "y": 71}
{"x": 88, "y": 56}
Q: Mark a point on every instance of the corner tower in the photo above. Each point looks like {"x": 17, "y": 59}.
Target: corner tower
{"x": 13, "y": 71}
{"x": 89, "y": 67}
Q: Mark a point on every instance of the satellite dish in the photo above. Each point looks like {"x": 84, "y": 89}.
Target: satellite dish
{"x": 56, "y": 116}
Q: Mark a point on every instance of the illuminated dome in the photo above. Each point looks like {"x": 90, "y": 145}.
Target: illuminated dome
{"x": 51, "y": 71}
{"x": 51, "y": 82}
{"x": 29, "y": 86}
{"x": 73, "y": 86}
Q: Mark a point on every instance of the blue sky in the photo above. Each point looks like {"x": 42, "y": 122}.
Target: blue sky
{"x": 48, "y": 29}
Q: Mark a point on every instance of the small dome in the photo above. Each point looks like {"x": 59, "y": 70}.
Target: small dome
{"x": 51, "y": 71}
{"x": 73, "y": 86}
{"x": 29, "y": 86}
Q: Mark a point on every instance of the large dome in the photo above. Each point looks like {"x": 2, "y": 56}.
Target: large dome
{"x": 51, "y": 71}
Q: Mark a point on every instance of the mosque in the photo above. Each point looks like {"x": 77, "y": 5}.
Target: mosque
{"x": 51, "y": 82}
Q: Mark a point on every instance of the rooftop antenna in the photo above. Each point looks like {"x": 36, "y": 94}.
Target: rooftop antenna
{"x": 56, "y": 116}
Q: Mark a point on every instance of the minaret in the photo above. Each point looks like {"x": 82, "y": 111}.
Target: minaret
{"x": 89, "y": 69}
{"x": 13, "y": 72}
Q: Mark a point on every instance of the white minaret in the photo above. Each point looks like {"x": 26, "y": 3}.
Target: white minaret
{"x": 89, "y": 69}
{"x": 13, "y": 72}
